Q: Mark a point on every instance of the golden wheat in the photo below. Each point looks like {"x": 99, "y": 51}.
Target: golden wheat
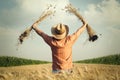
{"x": 44, "y": 72}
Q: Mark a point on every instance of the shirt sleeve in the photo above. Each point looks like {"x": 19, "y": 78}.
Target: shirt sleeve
{"x": 46, "y": 38}
{"x": 76, "y": 34}
{"x": 73, "y": 37}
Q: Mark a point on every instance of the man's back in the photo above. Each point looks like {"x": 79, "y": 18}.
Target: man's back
{"x": 61, "y": 51}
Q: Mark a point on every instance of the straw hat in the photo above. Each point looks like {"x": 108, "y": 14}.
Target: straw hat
{"x": 59, "y": 31}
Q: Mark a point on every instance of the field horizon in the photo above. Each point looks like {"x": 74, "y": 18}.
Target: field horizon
{"x": 6, "y": 61}
{"x": 12, "y": 68}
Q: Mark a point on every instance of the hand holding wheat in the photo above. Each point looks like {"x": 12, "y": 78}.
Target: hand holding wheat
{"x": 91, "y": 32}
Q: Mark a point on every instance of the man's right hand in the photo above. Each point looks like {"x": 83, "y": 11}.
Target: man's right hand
{"x": 34, "y": 25}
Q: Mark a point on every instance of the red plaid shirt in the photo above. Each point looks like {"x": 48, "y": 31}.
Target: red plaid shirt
{"x": 61, "y": 49}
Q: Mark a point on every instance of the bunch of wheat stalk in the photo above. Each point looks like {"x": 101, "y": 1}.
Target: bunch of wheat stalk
{"x": 90, "y": 31}
{"x": 26, "y": 33}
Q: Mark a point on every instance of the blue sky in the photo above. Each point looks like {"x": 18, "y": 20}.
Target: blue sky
{"x": 17, "y": 15}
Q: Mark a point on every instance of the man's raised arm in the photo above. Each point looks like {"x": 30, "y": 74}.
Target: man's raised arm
{"x": 73, "y": 10}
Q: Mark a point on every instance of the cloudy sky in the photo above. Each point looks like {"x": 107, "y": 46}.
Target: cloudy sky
{"x": 17, "y": 15}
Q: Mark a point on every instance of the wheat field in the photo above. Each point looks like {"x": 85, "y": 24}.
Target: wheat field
{"x": 44, "y": 72}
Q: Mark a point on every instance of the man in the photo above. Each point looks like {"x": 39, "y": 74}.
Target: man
{"x": 61, "y": 45}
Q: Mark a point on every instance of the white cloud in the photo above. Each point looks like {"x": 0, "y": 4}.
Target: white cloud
{"x": 40, "y": 5}
{"x": 35, "y": 6}
{"x": 27, "y": 11}
{"x": 8, "y": 32}
{"x": 32, "y": 6}
{"x": 104, "y": 14}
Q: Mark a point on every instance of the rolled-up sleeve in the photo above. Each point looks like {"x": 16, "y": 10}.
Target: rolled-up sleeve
{"x": 76, "y": 34}
{"x": 46, "y": 38}
{"x": 74, "y": 37}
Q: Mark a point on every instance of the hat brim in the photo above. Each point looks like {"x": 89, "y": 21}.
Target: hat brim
{"x": 58, "y": 36}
